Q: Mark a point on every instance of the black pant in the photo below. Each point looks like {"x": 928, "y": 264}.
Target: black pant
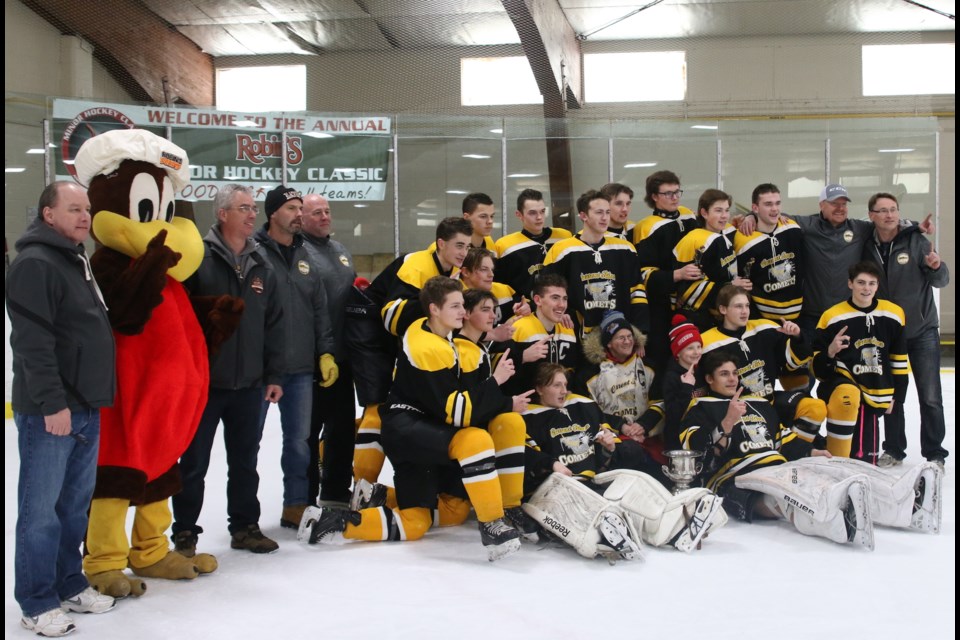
{"x": 334, "y": 413}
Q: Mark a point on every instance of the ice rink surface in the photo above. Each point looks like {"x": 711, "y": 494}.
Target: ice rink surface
{"x": 748, "y": 581}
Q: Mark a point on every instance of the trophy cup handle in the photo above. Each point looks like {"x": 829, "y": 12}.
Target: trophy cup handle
{"x": 666, "y": 470}
{"x": 698, "y": 468}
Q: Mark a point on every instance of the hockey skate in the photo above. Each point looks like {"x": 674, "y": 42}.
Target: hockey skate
{"x": 615, "y": 540}
{"x": 325, "y": 525}
{"x": 707, "y": 514}
{"x": 499, "y": 538}
{"x": 927, "y": 507}
{"x": 526, "y": 526}
{"x": 368, "y": 495}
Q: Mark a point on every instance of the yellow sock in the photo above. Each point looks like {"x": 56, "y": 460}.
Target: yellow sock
{"x": 509, "y": 433}
{"x": 808, "y": 417}
{"x": 842, "y": 409}
{"x": 368, "y": 452}
{"x": 473, "y": 449}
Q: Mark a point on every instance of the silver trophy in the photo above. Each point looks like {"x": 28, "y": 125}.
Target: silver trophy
{"x": 683, "y": 468}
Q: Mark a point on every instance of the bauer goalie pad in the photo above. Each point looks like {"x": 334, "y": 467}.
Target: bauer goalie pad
{"x": 662, "y": 518}
{"x": 583, "y": 519}
{"x": 909, "y": 499}
{"x": 816, "y": 503}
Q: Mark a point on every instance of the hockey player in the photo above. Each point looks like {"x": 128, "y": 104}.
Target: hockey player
{"x": 710, "y": 248}
{"x": 860, "y": 358}
{"x": 761, "y": 349}
{"x": 428, "y": 421}
{"x": 621, "y": 199}
{"x": 584, "y": 490}
{"x": 478, "y": 210}
{"x": 542, "y": 336}
{"x": 520, "y": 255}
{"x": 746, "y": 462}
{"x": 477, "y": 272}
{"x": 655, "y": 237}
{"x": 402, "y": 307}
{"x": 771, "y": 258}
{"x": 602, "y": 273}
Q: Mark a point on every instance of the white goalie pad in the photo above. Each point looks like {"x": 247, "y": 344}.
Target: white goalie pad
{"x": 661, "y": 517}
{"x": 583, "y": 519}
{"x": 905, "y": 497}
{"x": 817, "y": 504}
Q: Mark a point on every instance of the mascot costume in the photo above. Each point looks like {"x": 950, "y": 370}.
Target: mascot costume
{"x": 143, "y": 255}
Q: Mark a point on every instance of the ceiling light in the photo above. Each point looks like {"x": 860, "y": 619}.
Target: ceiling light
{"x": 711, "y": 127}
{"x": 14, "y": 169}
{"x": 456, "y": 192}
{"x": 895, "y": 150}
{"x": 496, "y": 130}
{"x": 475, "y": 156}
{"x": 361, "y": 206}
{"x": 36, "y": 151}
{"x": 524, "y": 175}
{"x": 317, "y": 134}
{"x": 639, "y": 165}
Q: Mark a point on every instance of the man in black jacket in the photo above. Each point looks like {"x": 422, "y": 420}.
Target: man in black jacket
{"x": 63, "y": 372}
{"x": 246, "y": 370}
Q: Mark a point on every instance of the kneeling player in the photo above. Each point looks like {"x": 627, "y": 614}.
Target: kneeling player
{"x": 427, "y": 425}
{"x": 584, "y": 491}
{"x": 746, "y": 453}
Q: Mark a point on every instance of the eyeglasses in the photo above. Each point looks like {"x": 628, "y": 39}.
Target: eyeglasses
{"x": 244, "y": 208}
{"x": 671, "y": 194}
{"x": 885, "y": 211}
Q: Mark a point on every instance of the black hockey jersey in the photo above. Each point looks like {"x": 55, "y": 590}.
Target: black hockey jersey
{"x": 436, "y": 376}
{"x": 875, "y": 361}
{"x": 655, "y": 237}
{"x": 773, "y": 262}
{"x": 520, "y": 257}
{"x": 756, "y": 441}
{"x": 564, "y": 349}
{"x": 714, "y": 254}
{"x": 760, "y": 352}
{"x": 402, "y": 304}
{"x": 600, "y": 278}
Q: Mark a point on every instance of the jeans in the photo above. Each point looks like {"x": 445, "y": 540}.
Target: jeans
{"x": 240, "y": 411}
{"x": 295, "y": 406}
{"x": 924, "y": 352}
{"x": 57, "y": 477}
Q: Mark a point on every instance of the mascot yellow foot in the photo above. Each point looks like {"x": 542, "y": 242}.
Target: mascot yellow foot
{"x": 173, "y": 566}
{"x": 116, "y": 583}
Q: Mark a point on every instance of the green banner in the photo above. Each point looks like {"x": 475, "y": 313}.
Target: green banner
{"x": 339, "y": 157}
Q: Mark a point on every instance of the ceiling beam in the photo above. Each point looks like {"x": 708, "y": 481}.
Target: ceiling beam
{"x": 140, "y": 50}
{"x": 552, "y": 48}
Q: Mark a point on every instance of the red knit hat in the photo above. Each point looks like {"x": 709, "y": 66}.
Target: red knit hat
{"x": 683, "y": 334}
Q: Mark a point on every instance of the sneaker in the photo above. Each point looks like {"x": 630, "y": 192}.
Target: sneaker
{"x": 499, "y": 538}
{"x": 325, "y": 524}
{"x": 615, "y": 537}
{"x": 89, "y": 601}
{"x": 52, "y": 624}
{"x": 940, "y": 462}
{"x": 291, "y": 516}
{"x": 708, "y": 514}
{"x": 886, "y": 461}
{"x": 185, "y": 543}
{"x": 251, "y": 539}
{"x": 367, "y": 495}
{"x": 524, "y": 524}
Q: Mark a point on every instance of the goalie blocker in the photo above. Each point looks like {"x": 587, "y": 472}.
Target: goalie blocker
{"x": 623, "y": 510}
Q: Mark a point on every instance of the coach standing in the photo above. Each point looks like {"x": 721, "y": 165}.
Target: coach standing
{"x": 63, "y": 372}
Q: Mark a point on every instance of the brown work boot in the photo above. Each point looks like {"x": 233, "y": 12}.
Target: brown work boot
{"x": 292, "y": 515}
{"x": 185, "y": 543}
{"x": 251, "y": 539}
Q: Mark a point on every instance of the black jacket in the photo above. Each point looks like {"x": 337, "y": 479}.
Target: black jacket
{"x": 63, "y": 349}
{"x": 254, "y": 354}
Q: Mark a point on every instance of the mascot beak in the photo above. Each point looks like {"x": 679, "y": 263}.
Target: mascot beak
{"x": 130, "y": 238}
